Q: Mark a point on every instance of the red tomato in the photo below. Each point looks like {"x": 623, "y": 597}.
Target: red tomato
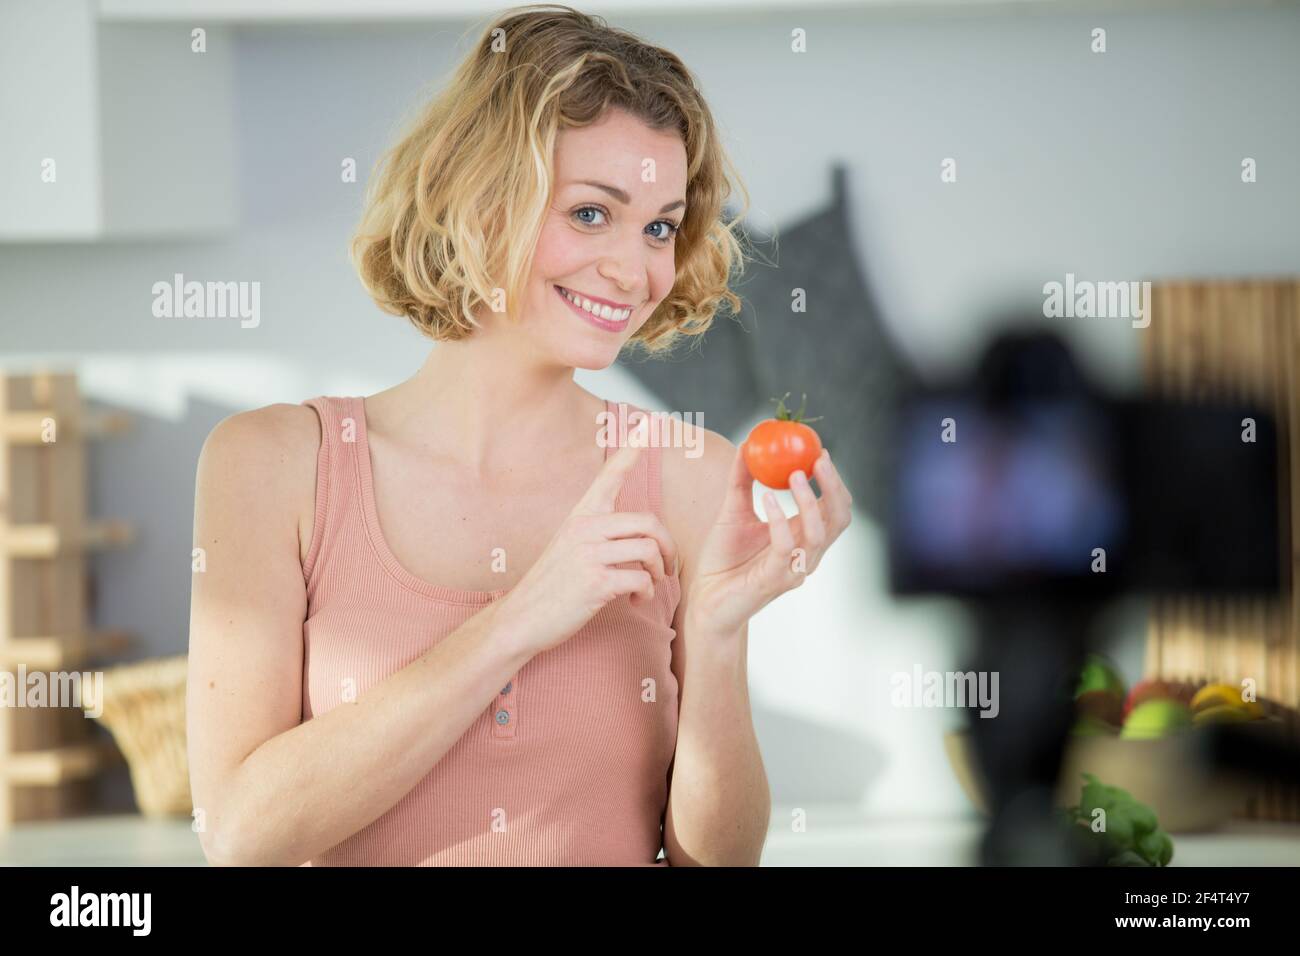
{"x": 778, "y": 447}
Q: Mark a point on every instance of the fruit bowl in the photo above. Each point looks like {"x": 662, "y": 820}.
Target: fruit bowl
{"x": 1165, "y": 773}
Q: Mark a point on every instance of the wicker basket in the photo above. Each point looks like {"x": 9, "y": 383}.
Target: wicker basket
{"x": 144, "y": 710}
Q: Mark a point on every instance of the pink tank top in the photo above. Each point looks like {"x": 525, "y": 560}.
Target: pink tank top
{"x": 567, "y": 765}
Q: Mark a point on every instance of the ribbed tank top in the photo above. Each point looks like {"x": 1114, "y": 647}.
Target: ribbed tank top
{"x": 567, "y": 765}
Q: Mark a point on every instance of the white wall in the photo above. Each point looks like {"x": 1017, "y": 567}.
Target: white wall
{"x": 1116, "y": 166}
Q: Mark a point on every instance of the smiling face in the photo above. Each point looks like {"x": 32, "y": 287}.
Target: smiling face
{"x": 611, "y": 244}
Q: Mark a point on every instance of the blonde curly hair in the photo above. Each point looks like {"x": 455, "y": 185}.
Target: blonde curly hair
{"x": 460, "y": 200}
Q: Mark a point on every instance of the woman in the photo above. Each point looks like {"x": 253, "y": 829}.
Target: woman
{"x": 448, "y": 623}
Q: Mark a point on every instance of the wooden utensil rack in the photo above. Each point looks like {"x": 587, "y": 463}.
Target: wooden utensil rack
{"x": 49, "y": 755}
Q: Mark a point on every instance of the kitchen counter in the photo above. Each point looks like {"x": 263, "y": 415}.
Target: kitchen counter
{"x": 834, "y": 836}
{"x": 839, "y": 836}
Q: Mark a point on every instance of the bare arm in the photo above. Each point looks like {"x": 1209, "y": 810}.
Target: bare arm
{"x": 273, "y": 789}
{"x": 719, "y": 800}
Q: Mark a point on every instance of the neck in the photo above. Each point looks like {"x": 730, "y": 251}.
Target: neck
{"x": 481, "y": 405}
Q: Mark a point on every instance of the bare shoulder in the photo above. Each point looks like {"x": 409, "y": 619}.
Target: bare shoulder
{"x": 265, "y": 440}
{"x": 695, "y": 472}
{"x": 264, "y": 460}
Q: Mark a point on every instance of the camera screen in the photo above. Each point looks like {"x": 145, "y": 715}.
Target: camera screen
{"x": 1086, "y": 498}
{"x": 988, "y": 499}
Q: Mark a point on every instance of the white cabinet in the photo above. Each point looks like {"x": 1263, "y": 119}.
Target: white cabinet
{"x": 112, "y": 130}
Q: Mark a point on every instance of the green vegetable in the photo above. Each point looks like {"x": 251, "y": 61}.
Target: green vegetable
{"x": 1132, "y": 835}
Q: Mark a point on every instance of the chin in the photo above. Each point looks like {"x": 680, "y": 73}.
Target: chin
{"x": 594, "y": 359}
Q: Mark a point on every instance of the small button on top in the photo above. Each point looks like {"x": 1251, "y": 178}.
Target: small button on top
{"x": 503, "y": 716}
{"x": 505, "y": 690}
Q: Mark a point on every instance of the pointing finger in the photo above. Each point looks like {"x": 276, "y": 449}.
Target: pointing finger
{"x": 603, "y": 493}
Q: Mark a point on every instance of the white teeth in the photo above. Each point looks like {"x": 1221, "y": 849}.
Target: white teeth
{"x": 604, "y": 311}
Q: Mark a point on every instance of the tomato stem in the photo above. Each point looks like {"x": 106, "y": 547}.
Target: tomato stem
{"x": 783, "y": 414}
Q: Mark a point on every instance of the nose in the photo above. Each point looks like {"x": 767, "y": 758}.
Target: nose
{"x": 625, "y": 265}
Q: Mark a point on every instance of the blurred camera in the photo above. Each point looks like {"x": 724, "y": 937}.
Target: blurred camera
{"x": 1026, "y": 480}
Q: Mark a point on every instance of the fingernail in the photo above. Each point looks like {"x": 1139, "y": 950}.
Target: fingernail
{"x": 799, "y": 477}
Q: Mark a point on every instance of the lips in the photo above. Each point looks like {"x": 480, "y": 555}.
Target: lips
{"x": 606, "y": 324}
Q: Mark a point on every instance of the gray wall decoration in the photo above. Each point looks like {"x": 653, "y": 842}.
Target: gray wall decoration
{"x": 837, "y": 350}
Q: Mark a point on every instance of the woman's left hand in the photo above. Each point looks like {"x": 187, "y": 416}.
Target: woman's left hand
{"x": 744, "y": 562}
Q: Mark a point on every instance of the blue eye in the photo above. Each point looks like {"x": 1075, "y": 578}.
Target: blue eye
{"x": 672, "y": 228}
{"x": 660, "y": 240}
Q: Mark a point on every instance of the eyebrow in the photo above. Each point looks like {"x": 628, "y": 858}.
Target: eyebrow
{"x": 623, "y": 197}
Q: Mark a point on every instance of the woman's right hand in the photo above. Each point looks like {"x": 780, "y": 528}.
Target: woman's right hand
{"x": 575, "y": 576}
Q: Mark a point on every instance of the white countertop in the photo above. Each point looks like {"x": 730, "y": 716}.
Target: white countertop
{"x": 834, "y": 836}
{"x": 840, "y": 836}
